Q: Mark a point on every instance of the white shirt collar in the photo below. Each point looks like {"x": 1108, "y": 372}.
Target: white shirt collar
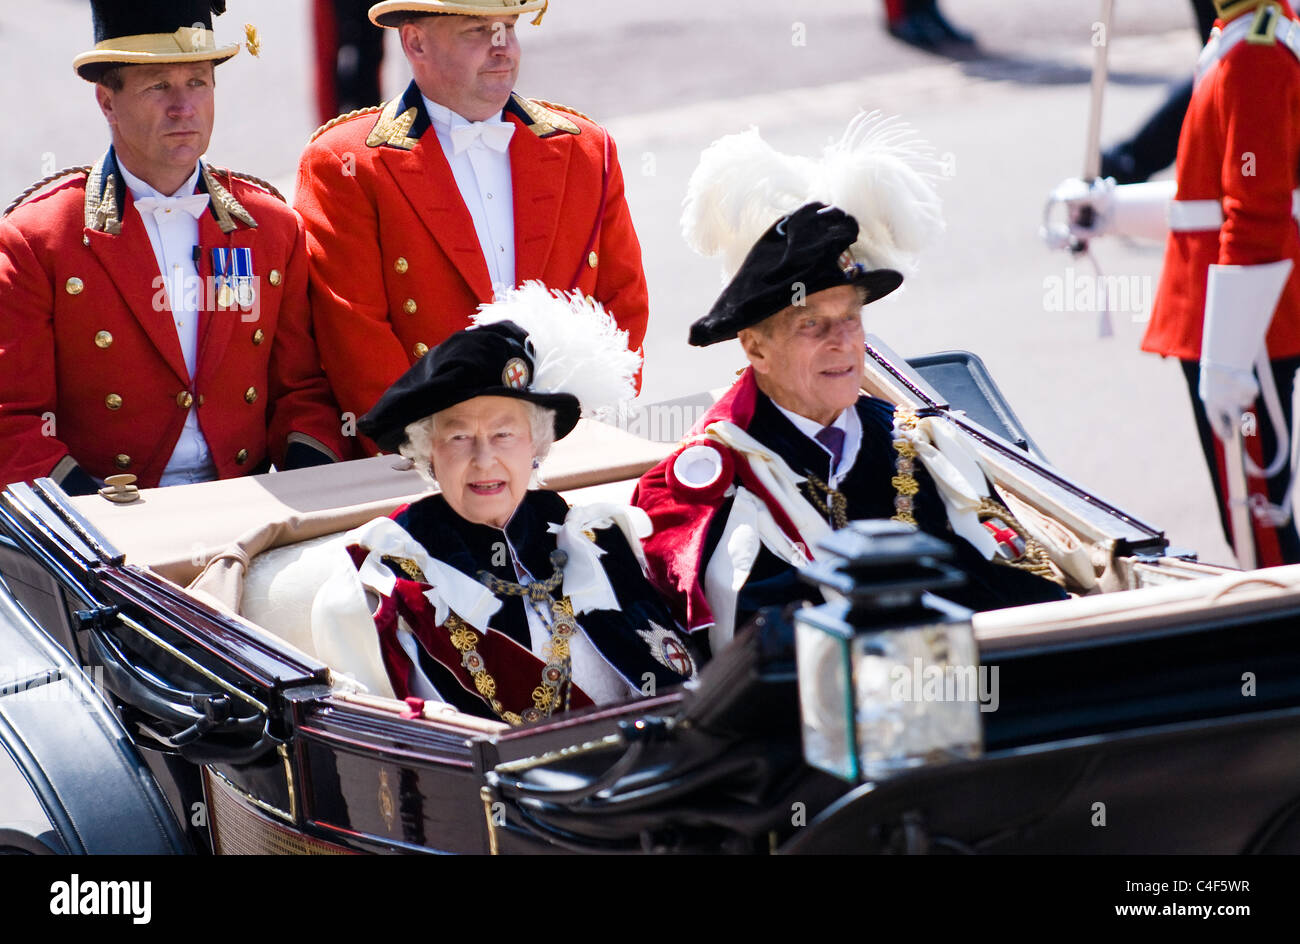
{"x": 811, "y": 428}
{"x": 140, "y": 189}
{"x": 444, "y": 119}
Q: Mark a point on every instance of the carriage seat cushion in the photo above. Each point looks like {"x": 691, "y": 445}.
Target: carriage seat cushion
{"x": 281, "y": 584}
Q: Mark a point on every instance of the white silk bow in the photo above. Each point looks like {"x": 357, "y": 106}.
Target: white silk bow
{"x": 495, "y": 135}
{"x": 164, "y": 208}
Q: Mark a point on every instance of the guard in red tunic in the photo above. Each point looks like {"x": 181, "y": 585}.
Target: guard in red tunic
{"x": 1228, "y": 304}
{"x": 153, "y": 309}
{"x": 1229, "y": 295}
{"x": 419, "y": 211}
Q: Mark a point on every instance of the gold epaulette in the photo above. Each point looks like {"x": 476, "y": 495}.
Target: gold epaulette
{"x": 342, "y": 118}
{"x": 41, "y": 184}
{"x": 257, "y": 182}
{"x": 546, "y": 119}
{"x": 1263, "y": 29}
{"x": 225, "y": 207}
{"x": 556, "y": 106}
{"x": 392, "y": 129}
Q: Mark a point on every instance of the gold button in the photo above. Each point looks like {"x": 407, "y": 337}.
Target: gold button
{"x": 259, "y": 336}
{"x": 401, "y": 265}
{"x": 250, "y": 395}
{"x": 593, "y": 259}
{"x": 85, "y": 239}
{"x": 103, "y": 339}
{"x": 184, "y": 399}
{"x": 420, "y": 349}
{"x": 122, "y": 462}
{"x": 74, "y": 285}
{"x": 409, "y": 306}
{"x": 274, "y": 277}
{"x": 113, "y": 401}
{"x": 241, "y": 457}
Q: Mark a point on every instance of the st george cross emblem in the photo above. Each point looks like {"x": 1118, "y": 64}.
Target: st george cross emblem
{"x": 668, "y": 650}
{"x": 515, "y": 375}
{"x": 850, "y": 266}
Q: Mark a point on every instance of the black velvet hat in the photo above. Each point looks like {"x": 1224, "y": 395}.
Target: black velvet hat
{"x": 803, "y": 253}
{"x": 136, "y": 32}
{"x": 493, "y": 360}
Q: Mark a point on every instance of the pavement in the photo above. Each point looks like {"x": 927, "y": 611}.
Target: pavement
{"x": 671, "y": 77}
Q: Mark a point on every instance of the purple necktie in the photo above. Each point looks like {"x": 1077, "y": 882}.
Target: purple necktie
{"x": 832, "y": 437}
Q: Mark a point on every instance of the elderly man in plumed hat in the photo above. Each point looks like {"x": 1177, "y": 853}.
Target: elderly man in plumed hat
{"x": 153, "y": 308}
{"x": 795, "y": 449}
{"x": 420, "y": 210}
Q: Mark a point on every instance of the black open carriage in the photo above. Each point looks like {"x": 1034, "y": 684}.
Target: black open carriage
{"x": 153, "y": 703}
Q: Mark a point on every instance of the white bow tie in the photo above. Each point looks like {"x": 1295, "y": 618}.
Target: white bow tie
{"x": 495, "y": 135}
{"x": 165, "y": 209}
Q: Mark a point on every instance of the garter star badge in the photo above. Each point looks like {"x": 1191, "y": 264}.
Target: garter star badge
{"x": 668, "y": 650}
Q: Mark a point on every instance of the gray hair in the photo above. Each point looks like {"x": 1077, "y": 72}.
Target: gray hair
{"x": 420, "y": 434}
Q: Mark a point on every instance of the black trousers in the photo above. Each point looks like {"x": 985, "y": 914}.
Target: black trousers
{"x": 1273, "y": 545}
{"x": 1153, "y": 147}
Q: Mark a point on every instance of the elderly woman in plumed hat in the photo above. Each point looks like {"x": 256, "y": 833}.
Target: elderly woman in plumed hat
{"x": 493, "y": 597}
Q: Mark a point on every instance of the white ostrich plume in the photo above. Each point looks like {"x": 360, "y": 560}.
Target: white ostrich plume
{"x": 879, "y": 172}
{"x": 578, "y": 347}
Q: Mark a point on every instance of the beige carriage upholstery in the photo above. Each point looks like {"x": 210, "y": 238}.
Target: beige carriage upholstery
{"x": 177, "y": 531}
{"x": 1226, "y": 594}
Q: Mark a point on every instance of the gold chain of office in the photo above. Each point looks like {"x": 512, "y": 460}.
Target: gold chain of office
{"x": 555, "y": 673}
{"x": 557, "y": 615}
{"x": 835, "y": 506}
{"x": 1034, "y": 559}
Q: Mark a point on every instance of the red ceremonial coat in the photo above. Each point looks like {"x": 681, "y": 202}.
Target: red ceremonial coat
{"x": 396, "y": 265}
{"x": 91, "y": 369}
{"x": 675, "y": 550}
{"x": 1240, "y": 147}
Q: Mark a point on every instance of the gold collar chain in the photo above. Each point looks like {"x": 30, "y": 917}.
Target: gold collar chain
{"x": 1034, "y": 559}
{"x": 904, "y": 481}
{"x": 836, "y": 505}
{"x": 555, "y": 673}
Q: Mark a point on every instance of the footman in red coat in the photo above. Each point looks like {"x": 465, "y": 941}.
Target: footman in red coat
{"x": 421, "y": 210}
{"x": 153, "y": 309}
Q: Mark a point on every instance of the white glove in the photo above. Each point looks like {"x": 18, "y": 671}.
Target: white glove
{"x": 1239, "y": 305}
{"x": 1227, "y": 392}
{"x": 1102, "y": 208}
{"x": 1089, "y": 205}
